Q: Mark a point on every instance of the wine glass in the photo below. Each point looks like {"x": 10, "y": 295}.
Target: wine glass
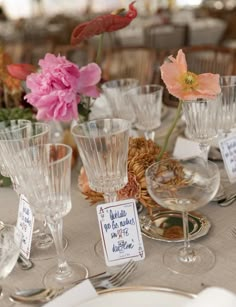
{"x": 14, "y": 138}
{"x": 228, "y": 105}
{"x": 10, "y": 242}
{"x": 202, "y": 121}
{"x": 103, "y": 148}
{"x": 45, "y": 173}
{"x": 184, "y": 185}
{"x": 147, "y": 104}
{"x": 114, "y": 92}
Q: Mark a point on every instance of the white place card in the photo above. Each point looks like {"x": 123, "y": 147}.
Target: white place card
{"x": 185, "y": 148}
{"x": 25, "y": 222}
{"x": 228, "y": 151}
{"x": 120, "y": 232}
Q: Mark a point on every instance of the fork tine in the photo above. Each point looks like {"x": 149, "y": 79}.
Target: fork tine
{"x": 119, "y": 281}
{"x": 123, "y": 270}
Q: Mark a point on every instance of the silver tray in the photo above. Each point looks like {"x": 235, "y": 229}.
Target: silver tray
{"x": 166, "y": 225}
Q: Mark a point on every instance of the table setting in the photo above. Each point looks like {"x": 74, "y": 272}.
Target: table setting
{"x": 144, "y": 218}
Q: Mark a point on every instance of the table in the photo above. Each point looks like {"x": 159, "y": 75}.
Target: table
{"x": 81, "y": 229}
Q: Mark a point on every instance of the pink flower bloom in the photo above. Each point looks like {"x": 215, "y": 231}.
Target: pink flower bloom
{"x": 56, "y": 88}
{"x": 186, "y": 85}
{"x": 20, "y": 71}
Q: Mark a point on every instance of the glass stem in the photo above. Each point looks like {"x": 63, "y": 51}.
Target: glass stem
{"x": 110, "y": 197}
{"x": 204, "y": 148}
{"x": 63, "y": 269}
{"x": 149, "y": 135}
{"x": 186, "y": 253}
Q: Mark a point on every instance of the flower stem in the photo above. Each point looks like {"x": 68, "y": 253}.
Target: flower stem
{"x": 177, "y": 116}
{"x": 99, "y": 51}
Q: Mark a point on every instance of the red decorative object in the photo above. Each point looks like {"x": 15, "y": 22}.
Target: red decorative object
{"x": 101, "y": 24}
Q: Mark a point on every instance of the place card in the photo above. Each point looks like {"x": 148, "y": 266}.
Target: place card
{"x": 185, "y": 148}
{"x": 120, "y": 232}
{"x": 25, "y": 222}
{"x": 228, "y": 151}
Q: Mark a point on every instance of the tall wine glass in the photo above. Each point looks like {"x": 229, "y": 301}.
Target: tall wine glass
{"x": 202, "y": 121}
{"x": 45, "y": 171}
{"x": 103, "y": 148}
{"x": 227, "y": 118}
{"x": 147, "y": 103}
{"x": 14, "y": 138}
{"x": 10, "y": 242}
{"x": 184, "y": 185}
{"x": 114, "y": 92}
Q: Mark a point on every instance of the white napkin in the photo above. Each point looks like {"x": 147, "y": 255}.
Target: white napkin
{"x": 77, "y": 295}
{"x": 214, "y": 297}
{"x": 185, "y": 148}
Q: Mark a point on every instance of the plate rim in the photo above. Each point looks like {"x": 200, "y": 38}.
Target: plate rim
{"x": 202, "y": 231}
{"x": 149, "y": 288}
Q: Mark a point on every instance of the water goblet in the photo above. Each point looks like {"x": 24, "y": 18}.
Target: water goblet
{"x": 202, "y": 121}
{"x": 45, "y": 171}
{"x": 10, "y": 242}
{"x": 114, "y": 92}
{"x": 147, "y": 104}
{"x": 13, "y": 139}
{"x": 184, "y": 185}
{"x": 228, "y": 104}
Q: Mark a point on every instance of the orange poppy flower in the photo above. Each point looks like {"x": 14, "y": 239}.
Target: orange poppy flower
{"x": 105, "y": 23}
{"x": 186, "y": 85}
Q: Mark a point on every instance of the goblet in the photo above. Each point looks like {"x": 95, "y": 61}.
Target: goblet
{"x": 184, "y": 185}
{"x": 10, "y": 242}
{"x": 13, "y": 139}
{"x": 202, "y": 120}
{"x": 45, "y": 173}
{"x": 147, "y": 103}
{"x": 228, "y": 105}
{"x": 103, "y": 148}
{"x": 114, "y": 92}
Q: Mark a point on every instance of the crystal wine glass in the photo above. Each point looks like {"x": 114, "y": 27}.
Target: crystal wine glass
{"x": 147, "y": 104}
{"x": 227, "y": 116}
{"x": 114, "y": 92}
{"x": 202, "y": 120}
{"x": 184, "y": 185}
{"x": 45, "y": 172}
{"x": 13, "y": 139}
{"x": 10, "y": 242}
{"x": 103, "y": 148}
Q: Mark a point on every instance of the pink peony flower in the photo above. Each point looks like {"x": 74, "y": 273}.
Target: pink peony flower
{"x": 56, "y": 88}
{"x": 186, "y": 85}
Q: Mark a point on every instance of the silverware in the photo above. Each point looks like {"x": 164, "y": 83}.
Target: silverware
{"x": 102, "y": 280}
{"x": 233, "y": 231}
{"x": 226, "y": 200}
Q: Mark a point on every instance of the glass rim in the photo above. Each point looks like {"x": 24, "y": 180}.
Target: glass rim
{"x": 158, "y": 87}
{"x": 217, "y": 97}
{"x": 116, "y": 80}
{"x": 24, "y": 138}
{"x": 75, "y": 130}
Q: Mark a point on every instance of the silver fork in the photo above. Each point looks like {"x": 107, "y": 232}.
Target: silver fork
{"x": 118, "y": 279}
{"x": 233, "y": 231}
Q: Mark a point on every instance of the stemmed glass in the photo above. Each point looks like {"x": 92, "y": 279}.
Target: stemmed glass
{"x": 114, "y": 92}
{"x": 147, "y": 104}
{"x": 227, "y": 116}
{"x": 103, "y": 148}
{"x": 45, "y": 173}
{"x": 10, "y": 242}
{"x": 202, "y": 121}
{"x": 13, "y": 138}
{"x": 184, "y": 185}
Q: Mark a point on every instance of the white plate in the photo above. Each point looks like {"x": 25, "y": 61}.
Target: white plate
{"x": 139, "y": 297}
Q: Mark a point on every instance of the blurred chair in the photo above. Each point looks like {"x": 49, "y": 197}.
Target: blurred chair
{"x": 163, "y": 37}
{"x": 80, "y": 55}
{"x": 131, "y": 62}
